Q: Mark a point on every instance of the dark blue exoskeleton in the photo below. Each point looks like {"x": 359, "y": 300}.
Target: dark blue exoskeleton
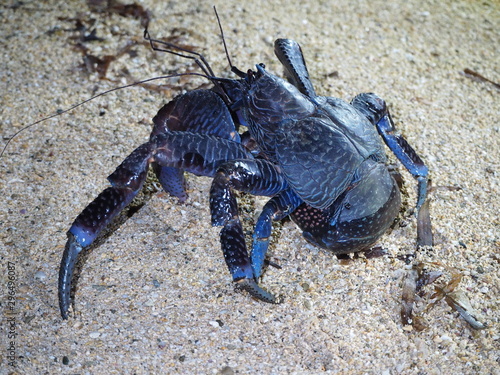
{"x": 319, "y": 158}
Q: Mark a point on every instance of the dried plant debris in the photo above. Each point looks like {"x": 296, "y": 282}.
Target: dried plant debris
{"x": 417, "y": 278}
{"x": 375, "y": 252}
{"x": 457, "y": 300}
{"x": 478, "y": 77}
{"x": 84, "y": 27}
{"x": 413, "y": 289}
{"x": 408, "y": 296}
{"x": 84, "y": 31}
{"x": 133, "y": 10}
{"x": 100, "y": 65}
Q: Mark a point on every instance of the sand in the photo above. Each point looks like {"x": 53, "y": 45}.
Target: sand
{"x": 156, "y": 297}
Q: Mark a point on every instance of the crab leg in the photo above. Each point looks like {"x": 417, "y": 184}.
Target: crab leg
{"x": 195, "y": 153}
{"x": 257, "y": 177}
{"x": 406, "y": 155}
{"x": 277, "y": 208}
{"x": 376, "y": 111}
{"x": 290, "y": 55}
{"x": 184, "y": 113}
{"x": 126, "y": 183}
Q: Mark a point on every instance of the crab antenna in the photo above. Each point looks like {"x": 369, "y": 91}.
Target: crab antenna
{"x": 58, "y": 113}
{"x": 234, "y": 69}
{"x": 198, "y": 58}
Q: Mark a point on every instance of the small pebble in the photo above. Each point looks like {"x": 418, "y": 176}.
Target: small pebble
{"x": 226, "y": 371}
{"x": 446, "y": 338}
{"x": 214, "y": 324}
{"x": 40, "y": 276}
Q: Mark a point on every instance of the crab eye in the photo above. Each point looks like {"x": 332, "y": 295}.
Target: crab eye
{"x": 261, "y": 70}
{"x": 250, "y": 77}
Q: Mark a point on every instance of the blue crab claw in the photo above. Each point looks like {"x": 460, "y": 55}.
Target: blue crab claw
{"x": 68, "y": 262}
{"x": 257, "y": 292}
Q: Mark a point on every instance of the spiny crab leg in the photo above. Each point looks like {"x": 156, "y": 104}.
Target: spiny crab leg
{"x": 70, "y": 256}
{"x": 257, "y": 292}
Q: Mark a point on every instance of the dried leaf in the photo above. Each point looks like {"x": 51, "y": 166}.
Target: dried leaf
{"x": 408, "y": 296}
{"x": 458, "y": 301}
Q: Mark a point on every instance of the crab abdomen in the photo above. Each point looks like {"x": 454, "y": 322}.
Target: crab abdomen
{"x": 359, "y": 216}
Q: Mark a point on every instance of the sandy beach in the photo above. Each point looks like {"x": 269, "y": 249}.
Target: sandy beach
{"x": 156, "y": 296}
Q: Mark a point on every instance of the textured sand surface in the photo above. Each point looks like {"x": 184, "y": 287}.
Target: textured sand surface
{"x": 156, "y": 297}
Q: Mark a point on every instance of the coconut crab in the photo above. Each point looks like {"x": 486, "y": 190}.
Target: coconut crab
{"x": 320, "y": 159}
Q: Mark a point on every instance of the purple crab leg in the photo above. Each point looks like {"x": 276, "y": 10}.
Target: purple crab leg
{"x": 407, "y": 155}
{"x": 290, "y": 55}
{"x": 126, "y": 182}
{"x": 258, "y": 177}
{"x": 195, "y": 153}
{"x": 184, "y": 113}
{"x": 375, "y": 109}
{"x": 172, "y": 181}
{"x": 277, "y": 208}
